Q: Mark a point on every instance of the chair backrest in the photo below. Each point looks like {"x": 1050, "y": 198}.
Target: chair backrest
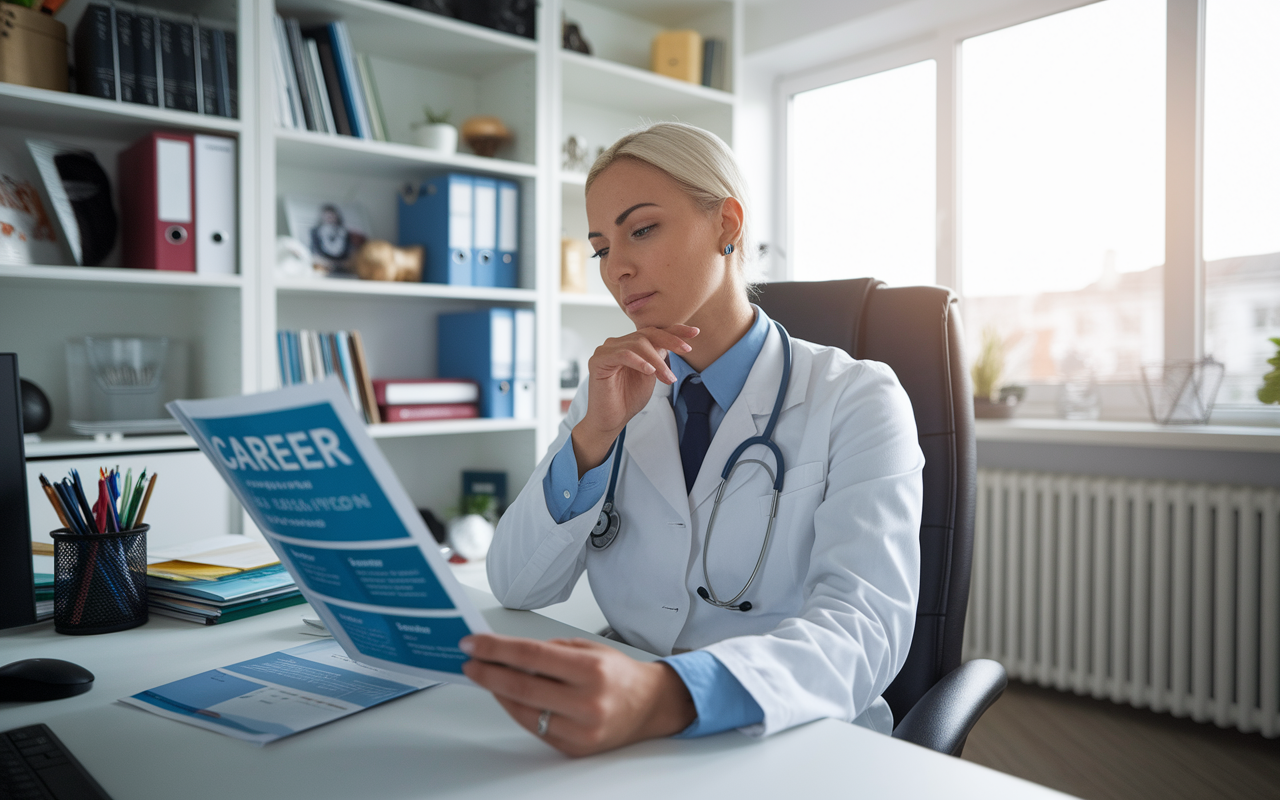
{"x": 916, "y": 331}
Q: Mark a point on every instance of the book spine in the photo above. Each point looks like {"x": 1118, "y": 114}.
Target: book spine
{"x": 324, "y": 46}
{"x": 322, "y": 91}
{"x": 145, "y": 57}
{"x": 209, "y": 102}
{"x": 345, "y": 60}
{"x": 232, "y": 93}
{"x": 177, "y": 63}
{"x": 429, "y": 412}
{"x": 376, "y": 120}
{"x": 95, "y": 53}
{"x": 293, "y": 33}
{"x": 126, "y": 51}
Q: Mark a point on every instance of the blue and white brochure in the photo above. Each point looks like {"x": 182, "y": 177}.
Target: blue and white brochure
{"x": 330, "y": 505}
{"x": 277, "y": 695}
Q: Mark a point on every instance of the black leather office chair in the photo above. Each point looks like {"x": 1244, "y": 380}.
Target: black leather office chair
{"x": 916, "y": 330}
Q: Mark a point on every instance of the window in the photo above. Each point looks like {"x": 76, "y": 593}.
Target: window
{"x": 1062, "y": 165}
{"x": 862, "y": 155}
{"x": 1242, "y": 190}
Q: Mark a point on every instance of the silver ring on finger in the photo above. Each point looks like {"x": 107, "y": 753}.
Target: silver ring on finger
{"x": 544, "y": 721}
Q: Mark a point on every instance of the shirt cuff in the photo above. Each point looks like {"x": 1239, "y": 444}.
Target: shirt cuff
{"x": 720, "y": 700}
{"x": 567, "y": 496}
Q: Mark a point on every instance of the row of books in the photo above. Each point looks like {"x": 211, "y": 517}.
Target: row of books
{"x": 220, "y": 579}
{"x": 322, "y": 84}
{"x": 139, "y": 55}
{"x": 306, "y": 356}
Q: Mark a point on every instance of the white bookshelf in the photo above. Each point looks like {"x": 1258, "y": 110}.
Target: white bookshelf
{"x": 542, "y": 93}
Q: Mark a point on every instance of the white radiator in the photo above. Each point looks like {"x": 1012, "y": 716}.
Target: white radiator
{"x": 1158, "y": 594}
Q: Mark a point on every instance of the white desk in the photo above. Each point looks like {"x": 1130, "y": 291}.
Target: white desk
{"x": 445, "y": 742}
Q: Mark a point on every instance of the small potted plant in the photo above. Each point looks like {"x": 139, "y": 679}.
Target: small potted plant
{"x": 434, "y": 132}
{"x": 1270, "y": 391}
{"x": 989, "y": 402}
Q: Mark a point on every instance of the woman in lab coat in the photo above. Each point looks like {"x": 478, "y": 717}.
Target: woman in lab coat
{"x": 829, "y": 616}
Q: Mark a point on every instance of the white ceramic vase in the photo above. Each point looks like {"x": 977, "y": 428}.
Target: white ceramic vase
{"x": 470, "y": 536}
{"x": 439, "y": 136}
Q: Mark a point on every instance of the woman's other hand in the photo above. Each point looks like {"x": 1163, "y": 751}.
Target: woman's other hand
{"x": 599, "y": 698}
{"x": 621, "y": 374}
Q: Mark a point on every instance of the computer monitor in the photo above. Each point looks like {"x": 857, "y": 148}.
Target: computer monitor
{"x": 17, "y": 585}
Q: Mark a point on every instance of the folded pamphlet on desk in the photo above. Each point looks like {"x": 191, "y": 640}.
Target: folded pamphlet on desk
{"x": 329, "y": 504}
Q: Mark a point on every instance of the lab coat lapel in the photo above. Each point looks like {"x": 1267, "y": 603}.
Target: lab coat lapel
{"x": 749, "y": 414}
{"x": 654, "y": 447}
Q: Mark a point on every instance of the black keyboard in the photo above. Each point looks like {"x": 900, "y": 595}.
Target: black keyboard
{"x": 35, "y": 765}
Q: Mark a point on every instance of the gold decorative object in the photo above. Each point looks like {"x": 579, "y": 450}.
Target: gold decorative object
{"x": 485, "y": 135}
{"x": 382, "y": 261}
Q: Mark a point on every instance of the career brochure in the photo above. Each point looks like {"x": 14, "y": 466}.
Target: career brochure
{"x": 330, "y": 505}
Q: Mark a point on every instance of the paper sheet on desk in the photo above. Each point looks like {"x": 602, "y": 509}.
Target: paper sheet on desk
{"x": 329, "y": 504}
{"x": 280, "y": 694}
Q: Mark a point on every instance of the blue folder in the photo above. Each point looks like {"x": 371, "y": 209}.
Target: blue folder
{"x": 484, "y": 220}
{"x": 480, "y": 346}
{"x": 507, "y": 272}
{"x": 437, "y": 214}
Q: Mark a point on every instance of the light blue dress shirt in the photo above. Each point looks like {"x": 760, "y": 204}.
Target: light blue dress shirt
{"x": 721, "y": 701}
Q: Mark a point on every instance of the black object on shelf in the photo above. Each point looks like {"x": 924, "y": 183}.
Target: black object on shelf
{"x": 437, "y": 528}
{"x": 36, "y": 411}
{"x": 509, "y": 16}
{"x": 572, "y": 39}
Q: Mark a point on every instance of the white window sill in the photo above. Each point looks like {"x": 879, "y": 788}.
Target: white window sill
{"x": 1130, "y": 434}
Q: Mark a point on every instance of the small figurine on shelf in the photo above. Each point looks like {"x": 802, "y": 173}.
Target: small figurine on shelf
{"x": 485, "y": 135}
{"x": 434, "y": 132}
{"x": 572, "y": 39}
{"x": 577, "y": 156}
{"x": 380, "y": 260}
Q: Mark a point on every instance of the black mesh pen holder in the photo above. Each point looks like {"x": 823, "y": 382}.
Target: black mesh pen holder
{"x": 99, "y": 581}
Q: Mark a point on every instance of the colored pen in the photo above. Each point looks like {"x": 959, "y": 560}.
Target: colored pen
{"x": 131, "y": 512}
{"x": 124, "y": 496}
{"x": 142, "y": 512}
{"x": 67, "y": 491}
{"x": 55, "y": 502}
{"x": 78, "y": 493}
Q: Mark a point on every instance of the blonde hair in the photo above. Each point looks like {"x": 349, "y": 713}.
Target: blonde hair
{"x": 698, "y": 160}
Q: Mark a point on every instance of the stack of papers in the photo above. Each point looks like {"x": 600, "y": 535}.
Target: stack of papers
{"x": 219, "y": 579}
{"x": 42, "y": 566}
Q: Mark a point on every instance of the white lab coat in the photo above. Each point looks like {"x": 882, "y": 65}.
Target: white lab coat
{"x": 834, "y": 603}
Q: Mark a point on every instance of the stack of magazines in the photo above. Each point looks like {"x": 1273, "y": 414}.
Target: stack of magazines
{"x": 218, "y": 580}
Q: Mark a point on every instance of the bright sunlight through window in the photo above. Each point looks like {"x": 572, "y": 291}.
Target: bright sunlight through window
{"x": 1062, "y": 190}
{"x": 863, "y": 190}
{"x": 1242, "y": 190}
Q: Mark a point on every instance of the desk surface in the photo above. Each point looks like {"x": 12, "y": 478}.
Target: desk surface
{"x": 448, "y": 741}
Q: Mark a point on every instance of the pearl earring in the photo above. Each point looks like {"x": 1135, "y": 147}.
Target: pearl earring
{"x": 728, "y": 249}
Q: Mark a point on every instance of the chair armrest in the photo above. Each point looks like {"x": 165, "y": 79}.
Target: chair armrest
{"x": 942, "y": 719}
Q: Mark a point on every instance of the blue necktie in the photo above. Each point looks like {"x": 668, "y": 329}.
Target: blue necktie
{"x": 697, "y": 429}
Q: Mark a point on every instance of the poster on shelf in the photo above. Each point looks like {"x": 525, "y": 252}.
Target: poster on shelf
{"x": 26, "y": 230}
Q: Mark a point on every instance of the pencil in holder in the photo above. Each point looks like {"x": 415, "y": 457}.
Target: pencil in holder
{"x": 100, "y": 581}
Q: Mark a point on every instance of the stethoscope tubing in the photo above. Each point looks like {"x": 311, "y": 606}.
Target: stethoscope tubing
{"x": 609, "y": 524}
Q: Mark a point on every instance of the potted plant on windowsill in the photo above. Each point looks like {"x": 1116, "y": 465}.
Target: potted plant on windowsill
{"x": 989, "y": 402}
{"x": 434, "y": 132}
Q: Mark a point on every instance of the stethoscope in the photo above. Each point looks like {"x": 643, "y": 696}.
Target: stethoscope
{"x": 609, "y": 524}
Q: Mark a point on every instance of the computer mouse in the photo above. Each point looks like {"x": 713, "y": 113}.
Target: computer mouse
{"x": 43, "y": 679}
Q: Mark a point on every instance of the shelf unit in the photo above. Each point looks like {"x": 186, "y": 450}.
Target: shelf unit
{"x": 542, "y": 93}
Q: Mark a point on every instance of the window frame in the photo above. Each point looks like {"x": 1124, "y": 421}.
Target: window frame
{"x": 1184, "y": 273}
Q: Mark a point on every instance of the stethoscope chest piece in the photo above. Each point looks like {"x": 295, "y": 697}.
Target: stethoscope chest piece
{"x": 607, "y": 526}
